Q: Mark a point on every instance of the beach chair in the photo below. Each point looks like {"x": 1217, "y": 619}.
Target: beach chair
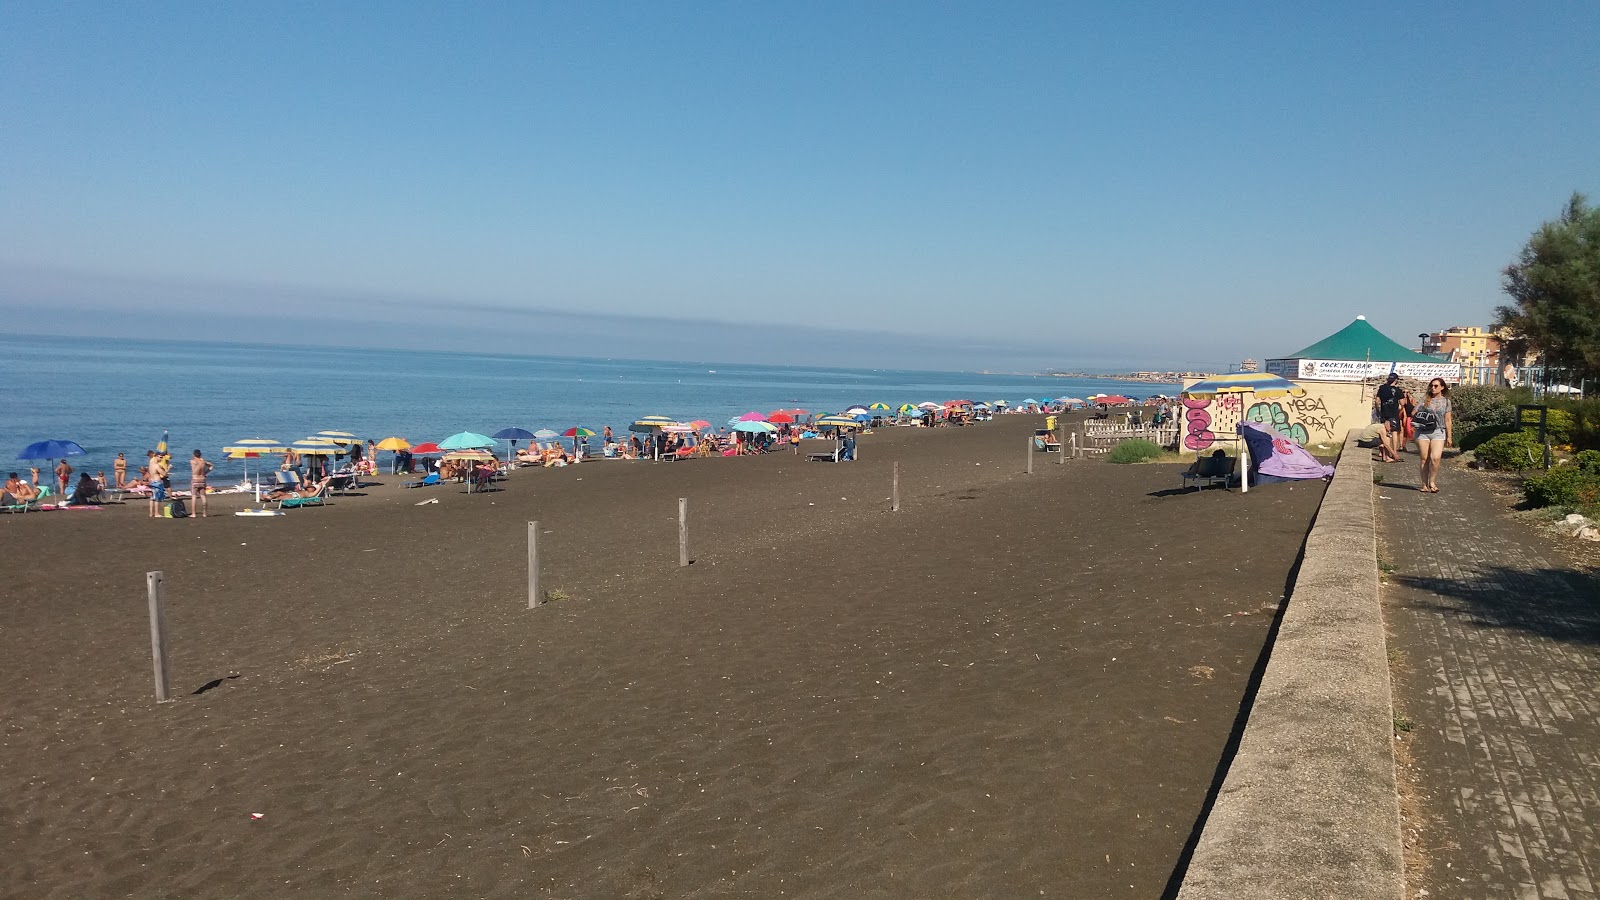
{"x": 430, "y": 481}
{"x": 320, "y": 498}
{"x": 13, "y": 505}
{"x": 1211, "y": 470}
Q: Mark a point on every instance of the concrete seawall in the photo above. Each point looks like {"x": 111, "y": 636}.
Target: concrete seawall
{"x": 1308, "y": 807}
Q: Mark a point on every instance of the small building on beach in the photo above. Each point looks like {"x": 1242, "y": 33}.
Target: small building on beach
{"x": 1338, "y": 373}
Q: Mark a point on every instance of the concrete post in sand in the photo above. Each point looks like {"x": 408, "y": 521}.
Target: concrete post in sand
{"x": 683, "y": 532}
{"x": 535, "y": 598}
{"x": 894, "y": 495}
{"x": 1061, "y": 442}
{"x": 155, "y": 586}
{"x": 1244, "y": 466}
{"x": 1074, "y": 445}
{"x": 1030, "y": 456}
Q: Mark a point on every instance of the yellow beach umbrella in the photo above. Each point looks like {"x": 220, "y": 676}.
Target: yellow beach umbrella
{"x": 394, "y": 443}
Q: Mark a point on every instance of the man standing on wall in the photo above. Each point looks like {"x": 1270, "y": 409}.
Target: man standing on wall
{"x": 1387, "y": 402}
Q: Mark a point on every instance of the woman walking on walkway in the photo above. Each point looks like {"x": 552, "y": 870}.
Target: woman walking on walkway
{"x": 1433, "y": 425}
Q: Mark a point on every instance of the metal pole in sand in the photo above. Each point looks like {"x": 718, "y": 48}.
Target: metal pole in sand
{"x": 1030, "y": 456}
{"x": 895, "y": 494}
{"x": 154, "y": 582}
{"x": 535, "y": 599}
{"x": 1244, "y": 467}
{"x": 683, "y": 532}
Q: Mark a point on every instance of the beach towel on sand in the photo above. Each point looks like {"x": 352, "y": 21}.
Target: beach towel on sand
{"x": 1273, "y": 454}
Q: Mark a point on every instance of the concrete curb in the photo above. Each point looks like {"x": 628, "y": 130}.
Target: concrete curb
{"x": 1309, "y": 807}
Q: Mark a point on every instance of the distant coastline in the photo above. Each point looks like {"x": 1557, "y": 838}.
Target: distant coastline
{"x": 1140, "y": 377}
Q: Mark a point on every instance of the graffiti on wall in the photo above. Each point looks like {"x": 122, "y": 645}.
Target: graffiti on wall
{"x": 1302, "y": 419}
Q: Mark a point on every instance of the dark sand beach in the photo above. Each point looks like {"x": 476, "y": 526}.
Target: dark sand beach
{"x": 1016, "y": 686}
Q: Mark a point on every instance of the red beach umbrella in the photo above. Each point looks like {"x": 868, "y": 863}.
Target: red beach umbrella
{"x": 781, "y": 418}
{"x": 425, "y": 449}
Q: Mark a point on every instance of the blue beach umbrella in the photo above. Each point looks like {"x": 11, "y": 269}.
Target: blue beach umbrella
{"x": 50, "y": 450}
{"x": 513, "y": 435}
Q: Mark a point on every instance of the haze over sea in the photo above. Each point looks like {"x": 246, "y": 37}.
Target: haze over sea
{"x": 119, "y": 395}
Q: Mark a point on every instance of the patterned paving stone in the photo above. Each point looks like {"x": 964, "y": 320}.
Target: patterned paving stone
{"x": 1497, "y": 645}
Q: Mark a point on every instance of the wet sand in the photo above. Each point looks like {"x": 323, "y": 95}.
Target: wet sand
{"x": 1016, "y": 686}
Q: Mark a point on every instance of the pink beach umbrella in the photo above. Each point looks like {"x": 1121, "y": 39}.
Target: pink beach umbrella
{"x": 752, "y": 417}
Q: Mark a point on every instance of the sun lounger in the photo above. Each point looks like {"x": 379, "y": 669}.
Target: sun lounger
{"x": 1211, "y": 470}
{"x": 430, "y": 481}
{"x": 320, "y": 498}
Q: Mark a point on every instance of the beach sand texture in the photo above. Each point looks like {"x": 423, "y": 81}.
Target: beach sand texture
{"x": 1017, "y": 686}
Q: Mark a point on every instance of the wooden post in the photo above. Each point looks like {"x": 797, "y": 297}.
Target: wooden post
{"x": 895, "y": 494}
{"x": 535, "y": 596}
{"x": 1061, "y": 446}
{"x": 683, "y": 532}
{"x": 1030, "y": 456}
{"x": 154, "y": 582}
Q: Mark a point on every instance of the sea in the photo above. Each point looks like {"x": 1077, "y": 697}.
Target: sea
{"x": 111, "y": 395}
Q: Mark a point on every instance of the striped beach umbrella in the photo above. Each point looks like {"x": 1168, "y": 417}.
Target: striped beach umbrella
{"x": 314, "y": 446}
{"x": 1259, "y": 383}
{"x": 254, "y": 447}
{"x": 338, "y": 437}
{"x": 879, "y": 407}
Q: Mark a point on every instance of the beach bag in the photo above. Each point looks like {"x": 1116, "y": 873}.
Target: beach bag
{"x": 177, "y": 509}
{"x": 1425, "y": 420}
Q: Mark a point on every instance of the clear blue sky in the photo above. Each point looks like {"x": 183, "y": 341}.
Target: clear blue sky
{"x": 1010, "y": 186}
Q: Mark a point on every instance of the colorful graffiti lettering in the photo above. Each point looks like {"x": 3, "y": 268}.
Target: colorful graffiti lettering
{"x": 1275, "y": 417}
{"x": 1197, "y": 425}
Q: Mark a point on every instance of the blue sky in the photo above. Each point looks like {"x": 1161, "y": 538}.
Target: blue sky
{"x": 1005, "y": 186}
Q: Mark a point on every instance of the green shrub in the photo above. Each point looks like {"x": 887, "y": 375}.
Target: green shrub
{"x": 1134, "y": 451}
{"x": 1558, "y": 425}
{"x": 1475, "y": 405}
{"x": 1513, "y": 452}
{"x": 1562, "y": 486}
{"x": 1588, "y": 461}
{"x": 1472, "y": 439}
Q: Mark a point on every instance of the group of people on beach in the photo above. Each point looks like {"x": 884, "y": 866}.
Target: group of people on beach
{"x": 1400, "y": 419}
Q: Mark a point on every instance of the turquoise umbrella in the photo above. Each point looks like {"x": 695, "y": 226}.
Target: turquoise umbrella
{"x": 467, "y": 440}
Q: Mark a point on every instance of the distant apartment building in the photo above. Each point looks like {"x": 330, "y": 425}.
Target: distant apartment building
{"x": 1467, "y": 345}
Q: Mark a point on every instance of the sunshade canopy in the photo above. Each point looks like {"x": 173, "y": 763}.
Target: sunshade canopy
{"x": 513, "y": 434}
{"x": 394, "y": 443}
{"x": 1259, "y": 383}
{"x": 466, "y": 440}
{"x": 755, "y": 427}
{"x": 1360, "y": 341}
{"x": 338, "y": 437}
{"x": 257, "y": 446}
{"x": 50, "y": 450}
{"x": 314, "y": 446}
{"x": 426, "y": 448}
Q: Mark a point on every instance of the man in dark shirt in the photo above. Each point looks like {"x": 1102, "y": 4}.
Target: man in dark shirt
{"x": 1387, "y": 400}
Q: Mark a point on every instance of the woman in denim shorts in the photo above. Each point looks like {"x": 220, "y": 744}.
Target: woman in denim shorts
{"x": 1431, "y": 444}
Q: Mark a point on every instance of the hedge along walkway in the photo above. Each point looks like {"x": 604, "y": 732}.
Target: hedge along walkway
{"x": 1498, "y": 652}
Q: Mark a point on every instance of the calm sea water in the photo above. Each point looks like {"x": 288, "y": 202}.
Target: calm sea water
{"x": 111, "y": 395}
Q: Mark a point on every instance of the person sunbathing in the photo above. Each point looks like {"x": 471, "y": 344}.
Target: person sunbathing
{"x": 20, "y": 490}
{"x": 308, "y": 490}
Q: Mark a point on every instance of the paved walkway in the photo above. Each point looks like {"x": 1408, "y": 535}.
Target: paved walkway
{"x": 1496, "y": 642}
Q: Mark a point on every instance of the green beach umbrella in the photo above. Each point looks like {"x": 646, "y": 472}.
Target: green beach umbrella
{"x": 467, "y": 440}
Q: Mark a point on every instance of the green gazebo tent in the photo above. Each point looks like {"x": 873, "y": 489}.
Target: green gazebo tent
{"x": 1359, "y": 351}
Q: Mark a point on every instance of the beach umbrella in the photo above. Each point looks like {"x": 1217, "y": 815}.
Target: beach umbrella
{"x": 469, "y": 454}
{"x": 699, "y": 423}
{"x": 254, "y": 447}
{"x": 907, "y": 409}
{"x": 314, "y": 446}
{"x": 755, "y": 427}
{"x": 513, "y": 435}
{"x": 781, "y": 418}
{"x": 545, "y": 434}
{"x": 1259, "y": 383}
{"x": 797, "y": 413}
{"x": 879, "y": 407}
{"x": 51, "y": 450}
{"x": 653, "y": 422}
{"x": 1001, "y": 403}
{"x": 577, "y": 433}
{"x": 338, "y": 437}
{"x": 855, "y": 410}
{"x": 394, "y": 443}
{"x": 467, "y": 440}
{"x": 426, "y": 448}
{"x": 838, "y": 421}
{"x": 950, "y": 403}
{"x": 752, "y": 416}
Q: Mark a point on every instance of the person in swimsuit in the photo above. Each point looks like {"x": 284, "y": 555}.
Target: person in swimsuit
{"x": 63, "y": 476}
{"x": 199, "y": 468}
{"x": 120, "y": 470}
